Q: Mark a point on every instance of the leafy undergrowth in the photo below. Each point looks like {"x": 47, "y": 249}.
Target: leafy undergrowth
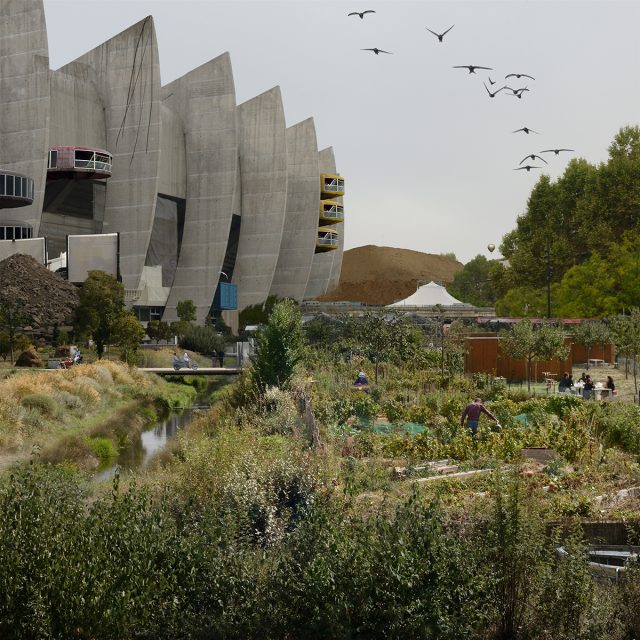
{"x": 255, "y": 524}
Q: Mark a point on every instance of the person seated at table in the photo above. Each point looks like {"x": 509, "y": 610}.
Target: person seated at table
{"x": 565, "y": 383}
{"x": 583, "y": 377}
{"x": 588, "y": 388}
{"x": 610, "y": 384}
{"x": 361, "y": 380}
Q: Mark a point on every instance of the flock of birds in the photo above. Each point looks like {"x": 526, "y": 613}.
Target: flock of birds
{"x": 517, "y": 92}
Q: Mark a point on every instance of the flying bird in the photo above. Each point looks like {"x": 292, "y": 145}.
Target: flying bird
{"x": 533, "y": 156}
{"x": 528, "y": 167}
{"x": 491, "y": 81}
{"x": 377, "y": 51}
{"x": 361, "y": 13}
{"x": 495, "y": 93}
{"x": 556, "y": 151}
{"x": 472, "y": 67}
{"x": 518, "y": 75}
{"x": 517, "y": 92}
{"x": 440, "y": 35}
{"x": 525, "y": 129}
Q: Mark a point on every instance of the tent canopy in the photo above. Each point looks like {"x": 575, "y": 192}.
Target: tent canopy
{"x": 428, "y": 295}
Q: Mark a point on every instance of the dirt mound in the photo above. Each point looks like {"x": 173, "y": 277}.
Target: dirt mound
{"x": 29, "y": 358}
{"x": 43, "y": 297}
{"x": 382, "y": 275}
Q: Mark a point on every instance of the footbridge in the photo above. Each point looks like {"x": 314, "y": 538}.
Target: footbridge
{"x": 200, "y": 371}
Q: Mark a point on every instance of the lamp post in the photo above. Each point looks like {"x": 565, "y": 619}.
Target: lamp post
{"x": 549, "y": 273}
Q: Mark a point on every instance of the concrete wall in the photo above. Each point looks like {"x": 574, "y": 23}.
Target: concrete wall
{"x": 173, "y": 160}
{"x": 205, "y": 99}
{"x": 263, "y": 173}
{"x": 127, "y": 77}
{"x": 24, "y": 100}
{"x": 301, "y": 218}
{"x": 322, "y": 262}
{"x": 77, "y": 111}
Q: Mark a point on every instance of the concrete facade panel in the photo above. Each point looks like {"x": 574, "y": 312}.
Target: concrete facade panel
{"x": 263, "y": 174}
{"x": 322, "y": 266}
{"x": 205, "y": 100}
{"x": 173, "y": 163}
{"x": 77, "y": 111}
{"x": 24, "y": 100}
{"x": 127, "y": 77}
{"x": 301, "y": 218}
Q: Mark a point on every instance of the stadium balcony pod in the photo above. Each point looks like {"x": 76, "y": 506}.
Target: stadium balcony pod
{"x": 15, "y": 190}
{"x": 79, "y": 163}
{"x": 327, "y": 239}
{"x": 331, "y": 185}
{"x": 331, "y": 212}
{"x": 15, "y": 230}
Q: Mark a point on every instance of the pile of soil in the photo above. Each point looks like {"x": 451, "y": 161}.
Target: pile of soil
{"x": 29, "y": 358}
{"x": 43, "y": 297}
{"x": 382, "y": 275}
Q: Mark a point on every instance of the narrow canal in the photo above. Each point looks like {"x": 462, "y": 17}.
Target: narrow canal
{"x": 137, "y": 454}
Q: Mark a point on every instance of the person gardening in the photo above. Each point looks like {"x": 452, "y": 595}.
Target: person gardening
{"x": 361, "y": 380}
{"x": 472, "y": 414}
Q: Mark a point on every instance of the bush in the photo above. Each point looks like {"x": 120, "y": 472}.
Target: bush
{"x": 103, "y": 449}
{"x": 42, "y": 403}
{"x": 619, "y": 425}
{"x": 202, "y": 339}
{"x": 69, "y": 400}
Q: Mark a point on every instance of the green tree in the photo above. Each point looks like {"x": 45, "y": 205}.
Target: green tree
{"x": 480, "y": 282}
{"x": 280, "y": 346}
{"x": 158, "y": 330}
{"x": 530, "y": 343}
{"x": 587, "y": 290}
{"x": 590, "y": 334}
{"x": 186, "y": 310}
{"x": 524, "y": 302}
{"x": 12, "y": 320}
{"x": 127, "y": 332}
{"x": 258, "y": 313}
{"x": 5, "y": 345}
{"x": 625, "y": 331}
{"x": 101, "y": 304}
{"x": 383, "y": 337}
{"x": 203, "y": 339}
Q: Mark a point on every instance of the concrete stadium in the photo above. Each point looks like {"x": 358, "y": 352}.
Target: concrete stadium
{"x": 201, "y": 191}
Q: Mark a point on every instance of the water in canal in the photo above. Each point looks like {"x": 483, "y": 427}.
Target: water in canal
{"x": 138, "y": 453}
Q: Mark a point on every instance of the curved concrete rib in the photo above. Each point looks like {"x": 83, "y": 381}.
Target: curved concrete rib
{"x": 301, "y": 217}
{"x": 127, "y": 76}
{"x": 322, "y": 262}
{"x": 263, "y": 174}
{"x": 24, "y": 100}
{"x": 205, "y": 99}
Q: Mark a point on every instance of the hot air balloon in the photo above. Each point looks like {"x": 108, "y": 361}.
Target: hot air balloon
{"x": 491, "y": 247}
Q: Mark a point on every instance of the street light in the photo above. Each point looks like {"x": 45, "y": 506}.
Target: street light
{"x": 549, "y": 274}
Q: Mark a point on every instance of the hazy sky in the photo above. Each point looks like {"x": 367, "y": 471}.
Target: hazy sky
{"x": 427, "y": 156}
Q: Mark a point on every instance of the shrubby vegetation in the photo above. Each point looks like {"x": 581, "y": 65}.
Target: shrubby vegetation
{"x": 285, "y": 512}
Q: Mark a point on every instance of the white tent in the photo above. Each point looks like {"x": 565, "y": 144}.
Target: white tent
{"x": 428, "y": 295}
